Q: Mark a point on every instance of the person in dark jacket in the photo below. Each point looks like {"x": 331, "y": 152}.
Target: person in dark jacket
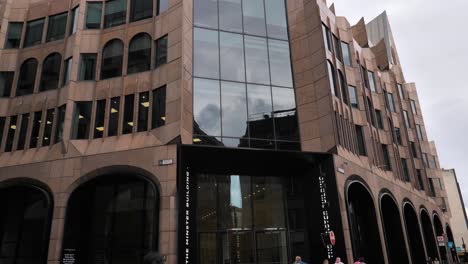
{"x": 298, "y": 260}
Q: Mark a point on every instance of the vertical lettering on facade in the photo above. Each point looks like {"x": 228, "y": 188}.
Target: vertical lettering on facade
{"x": 187, "y": 216}
{"x": 325, "y": 215}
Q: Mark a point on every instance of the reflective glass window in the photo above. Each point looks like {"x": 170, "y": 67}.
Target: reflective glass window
{"x": 11, "y": 133}
{"x": 6, "y": 81}
{"x": 419, "y": 132}
{"x": 256, "y": 60}
{"x": 269, "y": 205}
{"x": 93, "y": 15}
{"x": 337, "y": 45}
{"x": 361, "y": 140}
{"x": 161, "y": 51}
{"x": 353, "y": 96}
{"x": 280, "y": 63}
{"x": 57, "y": 27}
{"x": 36, "y": 127}
{"x": 163, "y": 5}
{"x": 67, "y": 70}
{"x": 276, "y": 19}
{"x": 371, "y": 78}
{"x": 100, "y": 117}
{"x": 407, "y": 119}
{"x": 27, "y": 77}
{"x": 115, "y": 13}
{"x": 343, "y": 86}
{"x": 139, "y": 53}
{"x": 234, "y": 109}
{"x": 59, "y": 126}
{"x": 23, "y": 131}
{"x": 87, "y": 70}
{"x": 34, "y": 32}
{"x": 206, "y": 53}
{"x": 398, "y": 135}
{"x": 13, "y": 37}
{"x": 391, "y": 103}
{"x": 143, "y": 110}
{"x": 2, "y": 128}
{"x": 230, "y": 15}
{"x": 159, "y": 107}
{"x": 260, "y": 111}
{"x": 49, "y": 122}
{"x": 129, "y": 104}
{"x": 232, "y": 57}
{"x": 401, "y": 91}
{"x": 332, "y": 78}
{"x": 50, "y": 72}
{"x": 326, "y": 37}
{"x": 114, "y": 109}
{"x": 425, "y": 160}
{"x": 206, "y": 13}
{"x": 254, "y": 17}
{"x": 81, "y": 122}
{"x": 74, "y": 20}
{"x": 140, "y": 9}
{"x": 413, "y": 107}
{"x": 112, "y": 59}
{"x": 284, "y": 109}
{"x": 206, "y": 107}
{"x": 346, "y": 53}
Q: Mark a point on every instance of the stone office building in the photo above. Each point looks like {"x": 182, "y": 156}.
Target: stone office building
{"x": 210, "y": 131}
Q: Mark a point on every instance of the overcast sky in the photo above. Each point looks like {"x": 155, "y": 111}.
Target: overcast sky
{"x": 431, "y": 38}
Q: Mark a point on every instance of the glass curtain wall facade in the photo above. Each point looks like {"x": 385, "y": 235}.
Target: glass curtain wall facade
{"x": 243, "y": 87}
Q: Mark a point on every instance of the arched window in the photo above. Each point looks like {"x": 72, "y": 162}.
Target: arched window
{"x": 112, "y": 59}
{"x": 24, "y": 225}
{"x": 139, "y": 53}
{"x": 50, "y": 72}
{"x": 332, "y": 78}
{"x": 112, "y": 219}
{"x": 27, "y": 77}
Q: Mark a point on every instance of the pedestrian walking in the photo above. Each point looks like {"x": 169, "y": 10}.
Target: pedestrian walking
{"x": 299, "y": 260}
{"x": 325, "y": 261}
{"x": 362, "y": 260}
{"x": 338, "y": 261}
{"x": 436, "y": 261}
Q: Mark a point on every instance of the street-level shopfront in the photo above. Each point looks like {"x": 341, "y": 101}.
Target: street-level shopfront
{"x": 256, "y": 206}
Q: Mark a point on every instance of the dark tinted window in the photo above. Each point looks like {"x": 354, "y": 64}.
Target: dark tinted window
{"x": 36, "y": 127}
{"x": 254, "y": 17}
{"x": 139, "y": 53}
{"x": 378, "y": 115}
{"x": 230, "y": 15}
{"x": 353, "y": 96}
{"x": 60, "y": 124}
{"x": 2, "y": 128}
{"x": 413, "y": 149}
{"x": 276, "y": 19}
{"x": 284, "y": 109}
{"x": 129, "y": 104}
{"x": 23, "y": 131}
{"x": 326, "y": 37}
{"x": 346, "y": 53}
{"x": 234, "y": 109}
{"x": 48, "y": 127}
{"x": 114, "y": 109}
{"x": 161, "y": 51}
{"x": 163, "y": 5}
{"x": 13, "y": 38}
{"x": 337, "y": 45}
{"x": 93, "y": 15}
{"x": 386, "y": 156}
{"x": 332, "y": 79}
{"x": 34, "y": 33}
{"x": 6, "y": 81}
{"x": 27, "y": 77}
{"x": 398, "y": 135}
{"x": 280, "y": 63}
{"x": 206, "y": 107}
{"x": 256, "y": 60}
{"x": 206, "y": 13}
{"x": 159, "y": 107}
{"x": 343, "y": 86}
{"x": 81, "y": 120}
{"x": 87, "y": 70}
{"x": 420, "y": 179}
{"x": 115, "y": 13}
{"x": 112, "y": 59}
{"x": 140, "y": 9}
{"x": 67, "y": 70}
{"x": 361, "y": 141}
{"x": 406, "y": 174}
{"x": 57, "y": 27}
{"x": 232, "y": 57}
{"x": 50, "y": 72}
{"x": 206, "y": 56}
{"x": 11, "y": 133}
{"x": 143, "y": 110}
{"x": 100, "y": 116}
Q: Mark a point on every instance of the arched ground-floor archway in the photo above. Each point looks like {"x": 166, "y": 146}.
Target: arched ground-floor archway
{"x": 393, "y": 231}
{"x": 429, "y": 237}
{"x": 439, "y": 231}
{"x": 414, "y": 234}
{"x": 112, "y": 219}
{"x": 25, "y": 221}
{"x": 451, "y": 241}
{"x": 365, "y": 236}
